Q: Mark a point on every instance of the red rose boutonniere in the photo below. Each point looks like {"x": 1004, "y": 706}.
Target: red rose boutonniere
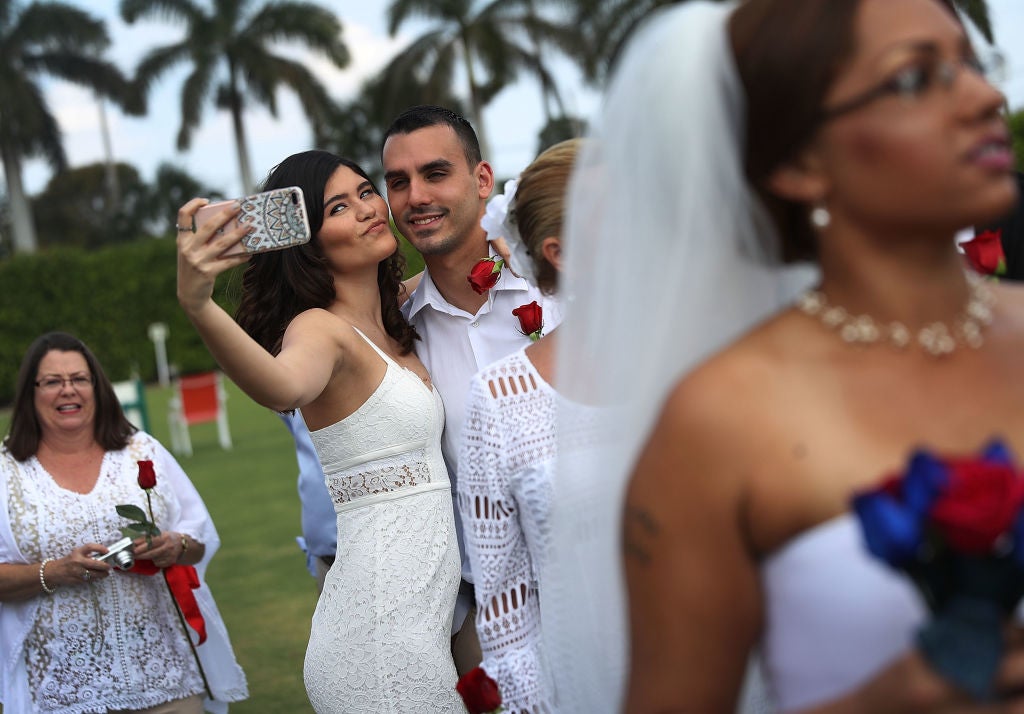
{"x": 479, "y": 692}
{"x": 956, "y": 528}
{"x": 985, "y": 252}
{"x": 485, "y": 274}
{"x": 531, "y": 320}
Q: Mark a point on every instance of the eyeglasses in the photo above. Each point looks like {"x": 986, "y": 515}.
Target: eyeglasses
{"x": 54, "y": 383}
{"x": 915, "y": 81}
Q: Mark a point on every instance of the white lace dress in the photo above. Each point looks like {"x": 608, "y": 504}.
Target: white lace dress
{"x": 380, "y": 639}
{"x": 115, "y": 643}
{"x": 506, "y": 466}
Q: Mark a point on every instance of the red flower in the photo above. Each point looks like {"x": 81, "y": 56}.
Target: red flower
{"x": 531, "y": 319}
{"x": 485, "y": 274}
{"x": 985, "y": 252}
{"x": 479, "y": 692}
{"x": 147, "y": 476}
{"x": 980, "y": 502}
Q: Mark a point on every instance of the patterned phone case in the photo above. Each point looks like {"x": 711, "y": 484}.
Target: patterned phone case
{"x": 279, "y": 217}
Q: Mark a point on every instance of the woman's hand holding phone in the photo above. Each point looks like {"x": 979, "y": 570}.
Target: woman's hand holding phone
{"x": 202, "y": 253}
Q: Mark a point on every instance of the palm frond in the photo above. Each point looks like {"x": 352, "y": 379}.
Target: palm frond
{"x": 194, "y": 92}
{"x": 184, "y": 11}
{"x": 54, "y": 25}
{"x": 302, "y": 22}
{"x": 977, "y": 12}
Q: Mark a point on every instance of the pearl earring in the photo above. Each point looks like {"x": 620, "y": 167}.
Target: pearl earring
{"x": 820, "y": 217}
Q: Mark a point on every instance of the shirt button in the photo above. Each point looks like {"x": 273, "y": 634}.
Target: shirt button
{"x": 475, "y": 323}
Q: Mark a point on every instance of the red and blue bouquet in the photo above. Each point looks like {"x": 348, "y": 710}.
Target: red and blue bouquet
{"x": 956, "y": 527}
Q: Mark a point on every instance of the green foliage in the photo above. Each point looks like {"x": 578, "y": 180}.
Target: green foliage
{"x": 1017, "y": 133}
{"x": 108, "y": 298}
{"x": 559, "y": 129}
{"x": 77, "y": 209}
{"x": 228, "y": 48}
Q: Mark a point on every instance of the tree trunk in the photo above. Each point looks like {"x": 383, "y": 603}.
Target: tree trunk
{"x": 113, "y": 189}
{"x": 23, "y": 228}
{"x": 241, "y": 145}
{"x": 474, "y": 101}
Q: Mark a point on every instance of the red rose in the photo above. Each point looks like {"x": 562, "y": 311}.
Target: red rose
{"x": 147, "y": 476}
{"x": 985, "y": 252}
{"x": 531, "y": 319}
{"x": 485, "y": 274}
{"x": 479, "y": 692}
{"x": 979, "y": 504}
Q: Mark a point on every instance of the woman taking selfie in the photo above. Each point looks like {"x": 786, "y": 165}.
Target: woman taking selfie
{"x": 319, "y": 330}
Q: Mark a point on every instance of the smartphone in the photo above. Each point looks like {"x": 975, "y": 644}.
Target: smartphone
{"x": 278, "y": 218}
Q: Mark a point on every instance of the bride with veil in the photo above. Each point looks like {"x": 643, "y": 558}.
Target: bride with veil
{"x": 736, "y": 140}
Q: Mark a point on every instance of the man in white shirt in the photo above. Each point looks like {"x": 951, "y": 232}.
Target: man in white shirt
{"x": 437, "y": 188}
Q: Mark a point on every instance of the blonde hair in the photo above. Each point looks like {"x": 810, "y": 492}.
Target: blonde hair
{"x": 540, "y": 205}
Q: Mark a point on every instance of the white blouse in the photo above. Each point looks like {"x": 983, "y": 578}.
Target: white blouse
{"x": 506, "y": 466}
{"x": 114, "y": 643}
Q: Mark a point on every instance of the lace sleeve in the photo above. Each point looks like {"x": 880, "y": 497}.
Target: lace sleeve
{"x": 508, "y": 612}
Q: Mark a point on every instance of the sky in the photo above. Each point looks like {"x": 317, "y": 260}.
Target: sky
{"x": 512, "y": 120}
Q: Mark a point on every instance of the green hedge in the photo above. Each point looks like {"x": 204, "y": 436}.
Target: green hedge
{"x": 108, "y": 298}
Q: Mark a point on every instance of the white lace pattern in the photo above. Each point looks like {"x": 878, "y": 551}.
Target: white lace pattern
{"x": 505, "y": 472}
{"x": 116, "y": 643}
{"x": 380, "y": 634}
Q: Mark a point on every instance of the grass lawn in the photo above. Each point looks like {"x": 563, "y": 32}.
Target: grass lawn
{"x": 258, "y": 577}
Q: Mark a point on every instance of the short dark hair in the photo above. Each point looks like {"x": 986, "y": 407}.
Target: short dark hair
{"x": 424, "y": 115}
{"x": 278, "y": 285}
{"x": 111, "y": 428}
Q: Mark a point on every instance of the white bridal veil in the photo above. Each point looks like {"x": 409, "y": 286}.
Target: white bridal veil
{"x": 669, "y": 258}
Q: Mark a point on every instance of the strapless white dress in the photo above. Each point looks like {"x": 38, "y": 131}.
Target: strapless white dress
{"x": 380, "y": 639}
{"x": 835, "y": 615}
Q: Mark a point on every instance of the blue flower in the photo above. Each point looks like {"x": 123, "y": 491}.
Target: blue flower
{"x": 893, "y": 531}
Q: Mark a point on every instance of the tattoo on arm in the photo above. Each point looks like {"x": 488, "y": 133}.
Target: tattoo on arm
{"x": 640, "y": 529}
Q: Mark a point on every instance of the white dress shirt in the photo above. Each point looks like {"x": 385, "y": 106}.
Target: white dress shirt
{"x": 455, "y": 345}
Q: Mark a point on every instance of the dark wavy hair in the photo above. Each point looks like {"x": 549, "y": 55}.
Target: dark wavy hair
{"x": 111, "y": 428}
{"x": 789, "y": 53}
{"x": 425, "y": 115}
{"x": 279, "y": 285}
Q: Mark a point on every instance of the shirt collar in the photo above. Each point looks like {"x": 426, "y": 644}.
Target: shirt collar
{"x": 426, "y": 293}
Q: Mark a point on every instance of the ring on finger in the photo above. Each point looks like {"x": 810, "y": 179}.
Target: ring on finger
{"x": 86, "y": 575}
{"x": 184, "y": 229}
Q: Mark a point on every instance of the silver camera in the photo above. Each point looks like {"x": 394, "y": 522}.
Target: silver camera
{"x": 119, "y": 554}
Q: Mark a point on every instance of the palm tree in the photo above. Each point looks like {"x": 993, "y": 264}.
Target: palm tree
{"x": 605, "y": 26}
{"x": 492, "y": 44}
{"x": 228, "y": 47}
{"x": 977, "y": 12}
{"x": 358, "y": 126}
{"x": 38, "y": 40}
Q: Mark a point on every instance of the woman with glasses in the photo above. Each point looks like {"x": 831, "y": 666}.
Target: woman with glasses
{"x": 854, "y": 135}
{"x": 78, "y": 634}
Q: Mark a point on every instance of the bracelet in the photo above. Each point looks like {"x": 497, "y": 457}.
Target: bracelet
{"x": 42, "y": 578}
{"x": 184, "y": 546}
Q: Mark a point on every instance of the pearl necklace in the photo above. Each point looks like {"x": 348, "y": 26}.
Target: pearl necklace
{"x": 936, "y": 339}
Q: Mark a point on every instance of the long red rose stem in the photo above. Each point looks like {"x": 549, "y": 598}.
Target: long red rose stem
{"x": 188, "y": 637}
{"x": 152, "y": 521}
